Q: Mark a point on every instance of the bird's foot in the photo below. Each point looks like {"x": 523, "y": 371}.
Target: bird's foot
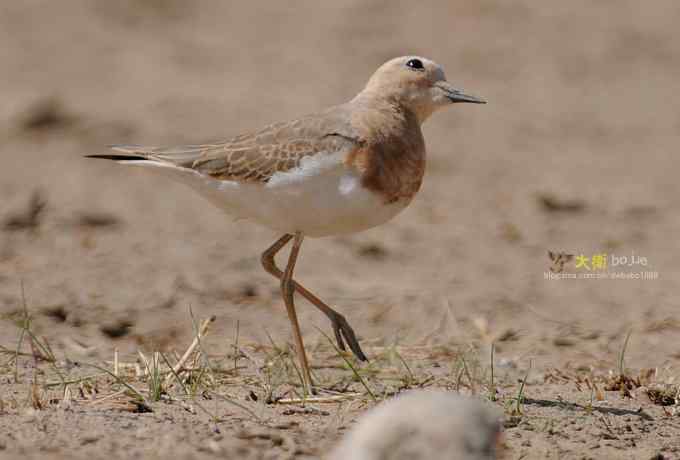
{"x": 342, "y": 329}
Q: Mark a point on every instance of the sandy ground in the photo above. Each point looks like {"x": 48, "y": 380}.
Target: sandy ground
{"x": 574, "y": 152}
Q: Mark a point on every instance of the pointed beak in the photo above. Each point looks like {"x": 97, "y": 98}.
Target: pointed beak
{"x": 456, "y": 95}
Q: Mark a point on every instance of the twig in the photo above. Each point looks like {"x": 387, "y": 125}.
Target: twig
{"x": 115, "y": 362}
{"x": 492, "y": 388}
{"x": 236, "y": 350}
{"x": 411, "y": 379}
{"x": 234, "y": 403}
{"x": 107, "y": 397}
{"x": 520, "y": 393}
{"x": 318, "y": 400}
{"x": 467, "y": 374}
{"x": 202, "y": 331}
{"x": 174, "y": 374}
{"x": 74, "y": 381}
{"x": 134, "y": 391}
{"x": 622, "y": 355}
{"x": 347, "y": 361}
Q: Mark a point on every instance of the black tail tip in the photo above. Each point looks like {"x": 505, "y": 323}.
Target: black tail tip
{"x": 116, "y": 157}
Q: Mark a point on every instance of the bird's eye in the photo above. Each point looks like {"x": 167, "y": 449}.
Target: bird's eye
{"x": 415, "y": 64}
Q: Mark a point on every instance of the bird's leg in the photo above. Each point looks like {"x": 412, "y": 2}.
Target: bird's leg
{"x": 340, "y": 325}
{"x": 288, "y": 292}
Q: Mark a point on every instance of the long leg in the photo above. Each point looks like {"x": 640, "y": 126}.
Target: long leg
{"x": 340, "y": 325}
{"x": 288, "y": 291}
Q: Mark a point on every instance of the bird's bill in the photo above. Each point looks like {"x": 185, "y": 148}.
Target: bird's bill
{"x": 456, "y": 95}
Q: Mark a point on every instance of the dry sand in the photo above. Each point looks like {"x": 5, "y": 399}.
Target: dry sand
{"x": 575, "y": 152}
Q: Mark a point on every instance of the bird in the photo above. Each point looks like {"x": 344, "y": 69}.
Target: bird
{"x": 425, "y": 424}
{"x": 342, "y": 170}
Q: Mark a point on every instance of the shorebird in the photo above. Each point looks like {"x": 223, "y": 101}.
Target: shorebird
{"x": 425, "y": 424}
{"x": 346, "y": 169}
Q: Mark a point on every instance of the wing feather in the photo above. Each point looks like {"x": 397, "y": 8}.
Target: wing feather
{"x": 257, "y": 156}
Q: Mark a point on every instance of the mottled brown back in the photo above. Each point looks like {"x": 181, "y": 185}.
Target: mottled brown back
{"x": 256, "y": 157}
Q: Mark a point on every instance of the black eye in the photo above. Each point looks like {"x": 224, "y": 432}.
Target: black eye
{"x": 415, "y": 64}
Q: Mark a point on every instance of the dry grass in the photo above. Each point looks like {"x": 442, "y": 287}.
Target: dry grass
{"x": 259, "y": 383}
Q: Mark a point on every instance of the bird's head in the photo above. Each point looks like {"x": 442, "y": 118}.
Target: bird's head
{"x": 416, "y": 83}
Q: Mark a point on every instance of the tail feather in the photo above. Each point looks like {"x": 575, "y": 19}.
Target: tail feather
{"x": 182, "y": 156}
{"x": 117, "y": 157}
{"x": 125, "y": 152}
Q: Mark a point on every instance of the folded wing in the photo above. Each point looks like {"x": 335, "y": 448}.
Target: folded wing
{"x": 253, "y": 157}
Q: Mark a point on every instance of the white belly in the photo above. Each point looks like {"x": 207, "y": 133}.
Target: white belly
{"x": 316, "y": 203}
{"x": 330, "y": 204}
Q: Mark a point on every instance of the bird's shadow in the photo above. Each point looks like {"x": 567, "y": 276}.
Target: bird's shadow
{"x": 579, "y": 407}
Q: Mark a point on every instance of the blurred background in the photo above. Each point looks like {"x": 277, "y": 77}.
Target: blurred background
{"x": 574, "y": 152}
